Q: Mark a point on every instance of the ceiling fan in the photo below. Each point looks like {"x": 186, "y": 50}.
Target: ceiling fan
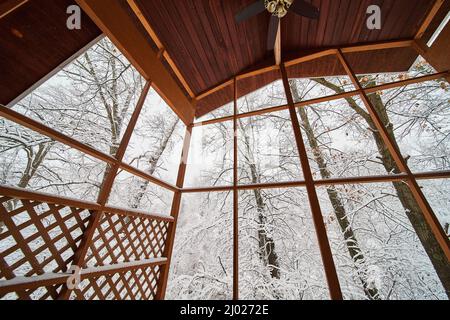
{"x": 278, "y": 9}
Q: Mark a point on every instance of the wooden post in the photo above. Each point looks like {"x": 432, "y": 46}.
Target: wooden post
{"x": 176, "y": 204}
{"x": 105, "y": 191}
{"x": 427, "y": 211}
{"x": 324, "y": 245}
{"x": 235, "y": 199}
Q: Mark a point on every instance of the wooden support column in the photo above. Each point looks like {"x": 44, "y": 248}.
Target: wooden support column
{"x": 176, "y": 204}
{"x": 324, "y": 245}
{"x": 105, "y": 191}
{"x": 235, "y": 198}
{"x": 427, "y": 211}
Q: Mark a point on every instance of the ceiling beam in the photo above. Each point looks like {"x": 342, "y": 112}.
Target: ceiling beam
{"x": 120, "y": 27}
{"x": 146, "y": 24}
{"x": 433, "y": 12}
{"x": 8, "y": 6}
{"x": 277, "y": 49}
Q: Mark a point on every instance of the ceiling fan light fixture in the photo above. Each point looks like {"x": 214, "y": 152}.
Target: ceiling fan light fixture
{"x": 278, "y": 8}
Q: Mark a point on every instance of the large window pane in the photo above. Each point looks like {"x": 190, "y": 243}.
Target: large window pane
{"x": 267, "y": 149}
{"x": 372, "y": 230}
{"x": 133, "y": 192}
{"x": 419, "y": 115}
{"x": 33, "y": 161}
{"x": 338, "y": 140}
{"x": 90, "y": 100}
{"x": 202, "y": 263}
{"x": 279, "y": 256}
{"x": 157, "y": 140}
{"x": 210, "y": 161}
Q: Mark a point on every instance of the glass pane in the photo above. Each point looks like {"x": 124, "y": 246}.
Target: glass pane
{"x": 202, "y": 262}
{"x": 261, "y": 92}
{"x": 338, "y": 139}
{"x": 90, "y": 100}
{"x": 437, "y": 193}
{"x": 133, "y": 192}
{"x": 33, "y": 161}
{"x": 210, "y": 161}
{"x": 420, "y": 116}
{"x": 157, "y": 140}
{"x": 372, "y": 233}
{"x": 318, "y": 78}
{"x": 267, "y": 149}
{"x": 279, "y": 257}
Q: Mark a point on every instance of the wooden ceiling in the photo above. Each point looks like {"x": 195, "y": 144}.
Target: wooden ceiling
{"x": 200, "y": 44}
{"x": 209, "y": 48}
{"x": 35, "y": 42}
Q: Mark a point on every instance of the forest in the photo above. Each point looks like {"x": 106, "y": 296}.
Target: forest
{"x": 382, "y": 246}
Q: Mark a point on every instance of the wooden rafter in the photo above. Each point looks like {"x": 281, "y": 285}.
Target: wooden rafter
{"x": 434, "y": 10}
{"x": 120, "y": 27}
{"x": 277, "y": 49}
{"x": 163, "y": 52}
{"x": 8, "y": 6}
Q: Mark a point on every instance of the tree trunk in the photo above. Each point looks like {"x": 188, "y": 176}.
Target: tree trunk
{"x": 351, "y": 242}
{"x": 412, "y": 210}
{"x": 267, "y": 250}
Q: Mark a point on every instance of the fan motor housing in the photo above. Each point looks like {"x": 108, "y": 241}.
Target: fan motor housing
{"x": 278, "y": 8}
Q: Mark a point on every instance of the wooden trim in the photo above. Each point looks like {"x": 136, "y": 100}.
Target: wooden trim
{"x": 304, "y": 58}
{"x": 176, "y": 206}
{"x": 53, "y": 134}
{"x": 432, "y": 175}
{"x": 433, "y": 12}
{"x": 8, "y": 6}
{"x": 427, "y": 211}
{"x": 34, "y": 125}
{"x": 378, "y": 46}
{"x": 235, "y": 195}
{"x": 277, "y": 48}
{"x": 51, "y": 279}
{"x": 146, "y": 24}
{"x": 343, "y": 95}
{"x": 24, "y": 194}
{"x": 321, "y": 232}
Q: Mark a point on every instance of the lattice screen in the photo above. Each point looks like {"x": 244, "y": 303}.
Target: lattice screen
{"x": 40, "y": 240}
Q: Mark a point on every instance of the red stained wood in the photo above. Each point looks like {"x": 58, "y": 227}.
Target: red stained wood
{"x": 34, "y": 41}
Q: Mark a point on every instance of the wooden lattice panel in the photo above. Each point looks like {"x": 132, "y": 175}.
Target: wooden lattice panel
{"x": 37, "y": 237}
{"x": 137, "y": 284}
{"x": 39, "y": 240}
{"x": 121, "y": 238}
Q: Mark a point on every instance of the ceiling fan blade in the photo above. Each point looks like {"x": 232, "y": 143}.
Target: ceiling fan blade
{"x": 250, "y": 11}
{"x": 272, "y": 33}
{"x": 305, "y": 9}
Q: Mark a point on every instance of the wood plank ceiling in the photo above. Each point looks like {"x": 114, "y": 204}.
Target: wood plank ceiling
{"x": 205, "y": 43}
{"x": 208, "y": 47}
{"x": 34, "y": 42}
